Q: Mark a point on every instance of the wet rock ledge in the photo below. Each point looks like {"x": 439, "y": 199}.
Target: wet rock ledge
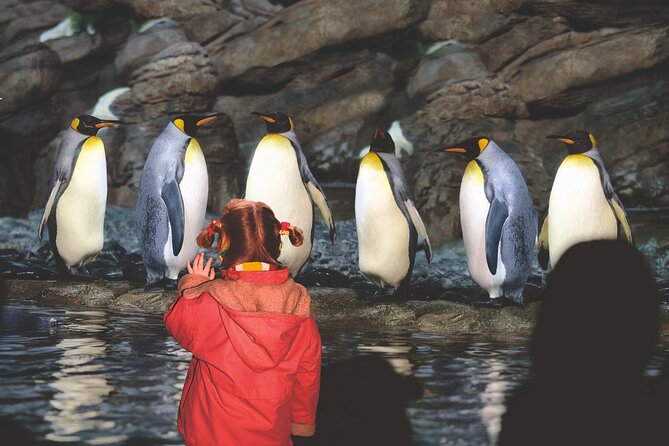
{"x": 334, "y": 305}
{"x": 330, "y": 305}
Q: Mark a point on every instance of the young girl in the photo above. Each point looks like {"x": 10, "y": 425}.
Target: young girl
{"x": 255, "y": 374}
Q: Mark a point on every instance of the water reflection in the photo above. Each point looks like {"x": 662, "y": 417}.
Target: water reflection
{"x": 102, "y": 377}
{"x": 81, "y": 384}
{"x": 492, "y": 398}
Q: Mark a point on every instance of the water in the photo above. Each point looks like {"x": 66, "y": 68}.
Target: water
{"x": 83, "y": 376}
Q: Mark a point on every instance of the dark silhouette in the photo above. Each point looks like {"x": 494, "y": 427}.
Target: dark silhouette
{"x": 363, "y": 402}
{"x": 596, "y": 332}
{"x": 13, "y": 433}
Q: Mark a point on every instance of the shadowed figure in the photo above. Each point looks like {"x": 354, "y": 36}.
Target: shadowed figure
{"x": 596, "y": 332}
{"x": 363, "y": 402}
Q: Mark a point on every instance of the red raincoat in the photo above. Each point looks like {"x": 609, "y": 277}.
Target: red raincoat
{"x": 255, "y": 372}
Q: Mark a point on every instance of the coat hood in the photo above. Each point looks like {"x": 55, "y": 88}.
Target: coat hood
{"x": 262, "y": 340}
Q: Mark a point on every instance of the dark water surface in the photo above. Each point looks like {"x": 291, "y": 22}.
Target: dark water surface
{"x": 91, "y": 376}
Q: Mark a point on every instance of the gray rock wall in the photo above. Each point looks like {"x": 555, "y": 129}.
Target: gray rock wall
{"x": 514, "y": 70}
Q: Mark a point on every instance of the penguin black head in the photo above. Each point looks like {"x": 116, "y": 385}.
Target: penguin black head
{"x": 90, "y": 125}
{"x": 578, "y": 141}
{"x": 381, "y": 142}
{"x": 189, "y": 124}
{"x": 276, "y": 122}
{"x": 471, "y": 148}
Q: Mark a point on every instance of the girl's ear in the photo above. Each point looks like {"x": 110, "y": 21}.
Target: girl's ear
{"x": 295, "y": 236}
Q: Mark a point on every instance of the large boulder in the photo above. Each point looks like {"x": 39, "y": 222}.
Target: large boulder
{"x": 546, "y": 75}
{"x": 328, "y": 104}
{"x": 501, "y": 49}
{"x": 307, "y": 27}
{"x": 173, "y": 9}
{"x": 143, "y": 46}
{"x": 23, "y": 20}
{"x": 204, "y": 28}
{"x": 179, "y": 79}
{"x": 471, "y": 21}
{"x": 23, "y": 134}
{"x": 30, "y": 72}
{"x": 446, "y": 63}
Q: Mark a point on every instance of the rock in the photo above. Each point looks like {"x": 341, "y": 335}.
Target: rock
{"x": 592, "y": 14}
{"x": 30, "y": 72}
{"x": 573, "y": 60}
{"x": 471, "y": 21}
{"x": 254, "y": 8}
{"x": 143, "y": 46}
{"x": 147, "y": 301}
{"x": 444, "y": 64}
{"x": 309, "y": 26}
{"x": 206, "y": 27}
{"x": 179, "y": 79}
{"x": 173, "y": 9}
{"x": 502, "y": 49}
{"x": 77, "y": 47}
{"x": 448, "y": 317}
{"x": 25, "y": 20}
{"x": 24, "y": 133}
{"x": 327, "y": 104}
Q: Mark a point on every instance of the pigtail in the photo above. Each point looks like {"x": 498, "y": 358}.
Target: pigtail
{"x": 206, "y": 237}
{"x": 295, "y": 236}
{"x": 293, "y": 232}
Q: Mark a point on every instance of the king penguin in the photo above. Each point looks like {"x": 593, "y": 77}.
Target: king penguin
{"x": 583, "y": 205}
{"x": 386, "y": 218}
{"x": 280, "y": 177}
{"x": 499, "y": 222}
{"x": 77, "y": 196}
{"x": 172, "y": 198}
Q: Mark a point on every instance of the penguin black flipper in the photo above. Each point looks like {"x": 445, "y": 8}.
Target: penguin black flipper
{"x": 57, "y": 188}
{"x": 542, "y": 243}
{"x": 171, "y": 195}
{"x": 404, "y": 199}
{"x": 497, "y": 215}
{"x": 62, "y": 173}
{"x": 314, "y": 189}
{"x": 624, "y": 231}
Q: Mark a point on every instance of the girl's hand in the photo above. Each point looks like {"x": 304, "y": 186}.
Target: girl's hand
{"x": 199, "y": 268}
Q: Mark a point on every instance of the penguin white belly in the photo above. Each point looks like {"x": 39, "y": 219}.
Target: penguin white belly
{"x": 578, "y": 210}
{"x": 474, "y": 208}
{"x": 383, "y": 230}
{"x": 194, "y": 188}
{"x": 274, "y": 179}
{"x": 80, "y": 212}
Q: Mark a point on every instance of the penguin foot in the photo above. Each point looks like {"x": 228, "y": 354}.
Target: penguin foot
{"x": 79, "y": 274}
{"x": 498, "y": 303}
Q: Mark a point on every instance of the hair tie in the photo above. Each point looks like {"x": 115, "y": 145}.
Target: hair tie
{"x": 210, "y": 228}
{"x": 285, "y": 226}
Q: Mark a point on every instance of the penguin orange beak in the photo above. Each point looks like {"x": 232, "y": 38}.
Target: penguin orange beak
{"x": 104, "y": 124}
{"x": 561, "y": 138}
{"x": 451, "y": 149}
{"x": 209, "y": 118}
{"x": 264, "y": 117}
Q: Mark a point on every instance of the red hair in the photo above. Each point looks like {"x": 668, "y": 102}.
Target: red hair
{"x": 248, "y": 231}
